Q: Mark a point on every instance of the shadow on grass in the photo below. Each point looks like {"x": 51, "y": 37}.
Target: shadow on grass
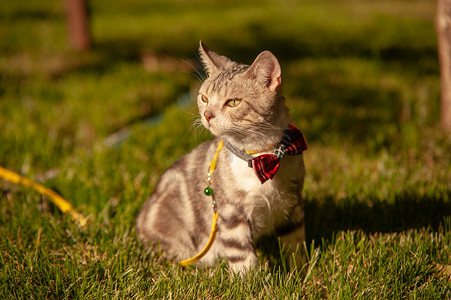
{"x": 408, "y": 211}
{"x": 324, "y": 220}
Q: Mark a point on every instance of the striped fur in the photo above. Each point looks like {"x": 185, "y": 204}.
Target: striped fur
{"x": 177, "y": 217}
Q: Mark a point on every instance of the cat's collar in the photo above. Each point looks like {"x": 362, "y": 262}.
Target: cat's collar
{"x": 268, "y": 149}
{"x": 247, "y": 154}
{"x": 238, "y": 152}
{"x": 266, "y": 165}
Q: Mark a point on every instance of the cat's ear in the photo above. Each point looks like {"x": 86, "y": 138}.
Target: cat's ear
{"x": 266, "y": 70}
{"x": 212, "y": 61}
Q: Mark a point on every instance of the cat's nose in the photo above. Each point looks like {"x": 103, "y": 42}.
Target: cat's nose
{"x": 208, "y": 116}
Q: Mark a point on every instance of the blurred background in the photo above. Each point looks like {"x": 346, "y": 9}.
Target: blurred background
{"x": 99, "y": 119}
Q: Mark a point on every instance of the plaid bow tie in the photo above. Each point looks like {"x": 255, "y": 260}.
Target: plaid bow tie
{"x": 267, "y": 165}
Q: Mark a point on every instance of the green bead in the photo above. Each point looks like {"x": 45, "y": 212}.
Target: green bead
{"x": 208, "y": 191}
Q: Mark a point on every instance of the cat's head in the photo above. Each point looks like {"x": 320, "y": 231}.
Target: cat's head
{"x": 243, "y": 103}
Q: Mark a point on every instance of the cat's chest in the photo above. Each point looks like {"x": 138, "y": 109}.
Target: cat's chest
{"x": 269, "y": 204}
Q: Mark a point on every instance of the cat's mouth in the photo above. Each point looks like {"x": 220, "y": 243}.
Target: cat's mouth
{"x": 208, "y": 125}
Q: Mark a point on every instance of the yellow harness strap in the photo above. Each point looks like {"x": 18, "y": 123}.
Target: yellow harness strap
{"x": 215, "y": 158}
{"x": 204, "y": 251}
{"x": 209, "y": 192}
{"x": 59, "y": 201}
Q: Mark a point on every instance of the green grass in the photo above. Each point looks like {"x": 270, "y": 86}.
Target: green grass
{"x": 361, "y": 79}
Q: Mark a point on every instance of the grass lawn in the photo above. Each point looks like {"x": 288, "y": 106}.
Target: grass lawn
{"x": 361, "y": 79}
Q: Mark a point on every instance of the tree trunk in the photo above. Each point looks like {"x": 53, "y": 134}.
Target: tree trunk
{"x": 78, "y": 24}
{"x": 443, "y": 26}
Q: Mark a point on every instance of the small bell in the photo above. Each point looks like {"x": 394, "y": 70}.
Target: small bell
{"x": 208, "y": 191}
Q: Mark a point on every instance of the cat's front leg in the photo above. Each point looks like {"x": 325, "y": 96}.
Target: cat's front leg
{"x": 236, "y": 239}
{"x": 292, "y": 237}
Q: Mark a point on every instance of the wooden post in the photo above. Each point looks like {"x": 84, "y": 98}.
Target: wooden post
{"x": 443, "y": 27}
{"x": 78, "y": 24}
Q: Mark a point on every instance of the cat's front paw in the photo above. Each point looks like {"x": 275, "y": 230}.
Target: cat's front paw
{"x": 242, "y": 264}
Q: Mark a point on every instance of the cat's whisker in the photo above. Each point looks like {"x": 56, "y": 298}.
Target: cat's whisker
{"x": 201, "y": 76}
{"x": 196, "y": 126}
{"x": 268, "y": 126}
{"x": 200, "y": 127}
{"x": 195, "y": 72}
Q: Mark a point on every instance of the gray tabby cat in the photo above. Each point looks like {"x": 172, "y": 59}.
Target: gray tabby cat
{"x": 242, "y": 105}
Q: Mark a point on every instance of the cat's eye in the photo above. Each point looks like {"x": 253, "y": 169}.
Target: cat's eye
{"x": 204, "y": 98}
{"x": 233, "y": 102}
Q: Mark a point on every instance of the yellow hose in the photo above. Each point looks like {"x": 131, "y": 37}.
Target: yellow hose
{"x": 59, "y": 201}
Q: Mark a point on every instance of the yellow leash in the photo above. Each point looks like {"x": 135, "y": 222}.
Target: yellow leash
{"x": 59, "y": 201}
{"x": 204, "y": 251}
{"x": 209, "y": 192}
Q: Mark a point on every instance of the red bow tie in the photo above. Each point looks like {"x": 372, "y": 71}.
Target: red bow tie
{"x": 267, "y": 165}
